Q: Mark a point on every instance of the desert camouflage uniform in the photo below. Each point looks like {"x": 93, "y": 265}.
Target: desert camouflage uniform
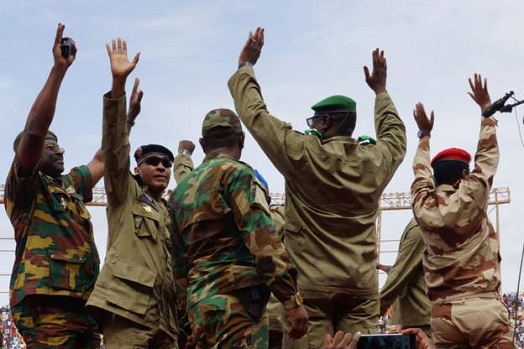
{"x": 462, "y": 260}
{"x": 333, "y": 187}
{"x": 135, "y": 291}
{"x": 56, "y": 260}
{"x": 405, "y": 283}
{"x": 226, "y": 251}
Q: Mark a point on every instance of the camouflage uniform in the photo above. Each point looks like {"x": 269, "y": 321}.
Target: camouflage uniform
{"x": 226, "y": 251}
{"x": 406, "y": 284}
{"x": 56, "y": 260}
{"x": 462, "y": 260}
{"x": 135, "y": 290}
{"x": 333, "y": 187}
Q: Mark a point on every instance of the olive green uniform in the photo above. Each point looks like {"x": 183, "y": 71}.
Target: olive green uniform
{"x": 135, "y": 289}
{"x": 406, "y": 283}
{"x": 333, "y": 187}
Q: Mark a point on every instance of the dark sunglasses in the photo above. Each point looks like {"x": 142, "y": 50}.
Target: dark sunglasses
{"x": 311, "y": 120}
{"x": 154, "y": 161}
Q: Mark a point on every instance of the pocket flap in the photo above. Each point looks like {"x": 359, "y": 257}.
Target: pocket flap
{"x": 134, "y": 272}
{"x": 77, "y": 259}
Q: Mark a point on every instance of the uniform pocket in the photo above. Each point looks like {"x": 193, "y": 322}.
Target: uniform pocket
{"x": 131, "y": 287}
{"x": 67, "y": 272}
{"x": 146, "y": 223}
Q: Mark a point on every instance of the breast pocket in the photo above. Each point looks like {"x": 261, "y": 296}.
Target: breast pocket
{"x": 147, "y": 224}
{"x": 68, "y": 272}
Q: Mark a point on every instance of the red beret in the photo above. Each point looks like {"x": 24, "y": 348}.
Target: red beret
{"x": 456, "y": 154}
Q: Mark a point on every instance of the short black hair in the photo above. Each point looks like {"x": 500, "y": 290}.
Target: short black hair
{"x": 220, "y": 137}
{"x": 449, "y": 171}
{"x": 345, "y": 122}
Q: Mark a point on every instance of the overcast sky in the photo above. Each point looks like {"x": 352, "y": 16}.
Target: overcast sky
{"x": 313, "y": 49}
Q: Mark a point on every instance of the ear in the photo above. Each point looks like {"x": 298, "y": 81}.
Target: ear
{"x": 242, "y": 139}
{"x": 136, "y": 170}
{"x": 465, "y": 174}
{"x": 324, "y": 123}
{"x": 201, "y": 142}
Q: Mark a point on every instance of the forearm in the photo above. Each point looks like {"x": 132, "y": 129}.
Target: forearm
{"x": 38, "y": 121}
{"x": 183, "y": 165}
{"x": 269, "y": 132}
{"x": 116, "y": 147}
{"x": 43, "y": 109}
{"x": 389, "y": 126}
{"x": 487, "y": 156}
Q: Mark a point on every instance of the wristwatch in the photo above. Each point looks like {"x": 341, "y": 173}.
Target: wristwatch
{"x": 295, "y": 301}
{"x": 422, "y": 133}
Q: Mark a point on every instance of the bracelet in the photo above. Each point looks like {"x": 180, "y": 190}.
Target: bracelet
{"x": 184, "y": 151}
{"x": 245, "y": 64}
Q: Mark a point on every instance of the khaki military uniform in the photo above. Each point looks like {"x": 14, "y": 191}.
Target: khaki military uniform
{"x": 333, "y": 187}
{"x": 462, "y": 260}
{"x": 406, "y": 284}
{"x": 136, "y": 285}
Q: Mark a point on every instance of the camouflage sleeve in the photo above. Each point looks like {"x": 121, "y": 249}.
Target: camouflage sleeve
{"x": 409, "y": 259}
{"x": 183, "y": 165}
{"x": 115, "y": 143}
{"x": 19, "y": 196}
{"x": 271, "y": 134}
{"x": 467, "y": 204}
{"x": 391, "y": 132}
{"x": 80, "y": 178}
{"x": 252, "y": 217}
{"x": 180, "y": 265}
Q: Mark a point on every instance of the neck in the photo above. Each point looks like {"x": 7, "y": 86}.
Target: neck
{"x": 232, "y": 152}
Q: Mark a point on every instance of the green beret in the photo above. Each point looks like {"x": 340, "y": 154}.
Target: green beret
{"x": 335, "y": 104}
{"x": 221, "y": 118}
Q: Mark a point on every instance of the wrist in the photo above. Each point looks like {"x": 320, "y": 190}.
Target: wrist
{"x": 244, "y": 64}
{"x": 294, "y": 302}
{"x": 423, "y": 133}
{"x": 185, "y": 151}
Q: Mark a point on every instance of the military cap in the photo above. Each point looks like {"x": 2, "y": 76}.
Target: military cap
{"x": 456, "y": 154}
{"x": 50, "y": 135}
{"x": 145, "y": 151}
{"x": 221, "y": 118}
{"x": 335, "y": 104}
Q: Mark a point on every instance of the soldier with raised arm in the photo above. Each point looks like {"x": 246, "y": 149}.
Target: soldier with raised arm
{"x": 134, "y": 297}
{"x": 56, "y": 260}
{"x": 462, "y": 258}
{"x": 333, "y": 187}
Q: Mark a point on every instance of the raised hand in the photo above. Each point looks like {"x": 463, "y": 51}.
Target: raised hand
{"x": 377, "y": 79}
{"x": 134, "y": 103}
{"x": 121, "y": 67}
{"x": 57, "y": 49}
{"x": 424, "y": 123}
{"x": 186, "y": 145}
{"x": 480, "y": 92}
{"x": 252, "y": 48}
